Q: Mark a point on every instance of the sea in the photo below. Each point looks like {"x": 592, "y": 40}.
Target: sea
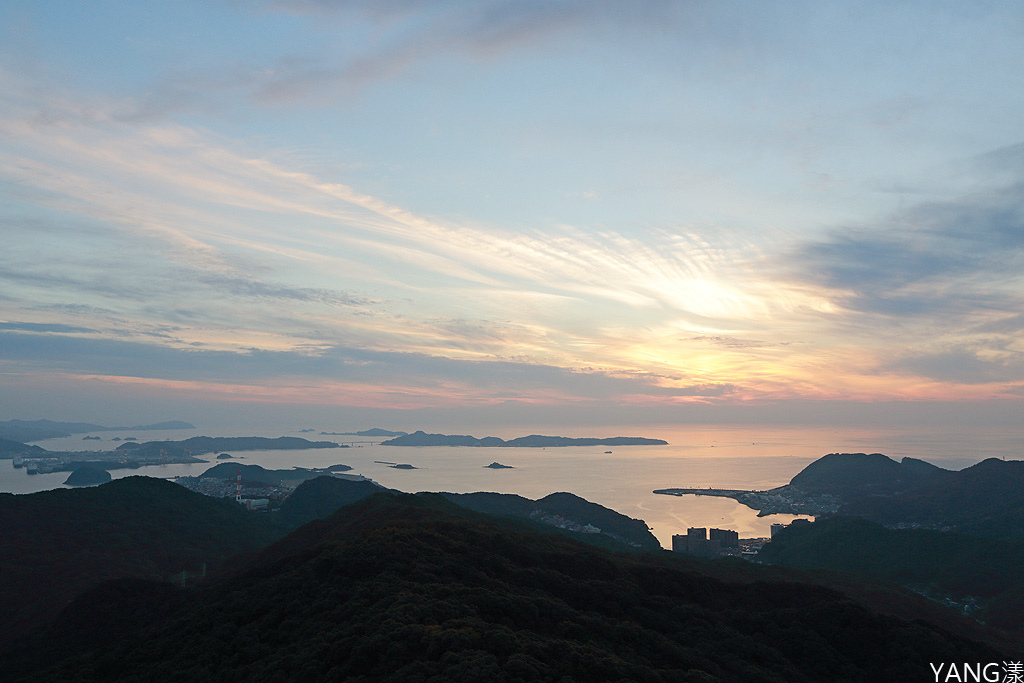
{"x": 752, "y": 457}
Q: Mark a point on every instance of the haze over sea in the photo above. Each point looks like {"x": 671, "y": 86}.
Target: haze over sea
{"x": 718, "y": 456}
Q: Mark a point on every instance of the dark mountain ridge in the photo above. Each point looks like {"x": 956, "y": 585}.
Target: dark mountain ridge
{"x": 413, "y": 587}
{"x": 564, "y": 510}
{"x": 984, "y": 499}
{"x": 319, "y": 497}
{"x": 58, "y": 543}
{"x": 982, "y": 575}
{"x": 861, "y": 474}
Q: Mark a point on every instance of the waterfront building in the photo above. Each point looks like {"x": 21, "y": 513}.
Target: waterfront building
{"x": 696, "y": 543}
{"x": 727, "y": 537}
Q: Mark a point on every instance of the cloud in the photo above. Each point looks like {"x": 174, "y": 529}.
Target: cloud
{"x": 950, "y": 258}
{"x": 421, "y": 32}
{"x": 735, "y": 342}
{"x": 43, "y": 327}
{"x": 964, "y": 366}
{"x": 394, "y": 372}
{"x": 1011, "y": 324}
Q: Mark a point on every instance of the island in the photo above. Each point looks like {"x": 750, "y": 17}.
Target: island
{"x": 375, "y": 431}
{"x": 498, "y": 466}
{"x": 420, "y": 438}
{"x": 87, "y": 476}
{"x": 37, "y": 430}
{"x": 17, "y": 450}
{"x": 254, "y": 473}
{"x": 403, "y": 466}
{"x": 132, "y": 454}
{"x": 199, "y": 445}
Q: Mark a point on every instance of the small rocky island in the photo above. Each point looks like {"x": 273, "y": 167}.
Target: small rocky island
{"x": 87, "y": 476}
{"x": 498, "y": 466}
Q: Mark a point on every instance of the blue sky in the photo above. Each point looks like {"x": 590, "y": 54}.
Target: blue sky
{"x": 596, "y": 211}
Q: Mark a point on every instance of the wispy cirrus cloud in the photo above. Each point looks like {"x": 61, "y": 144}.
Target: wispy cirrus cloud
{"x": 347, "y": 369}
{"x": 941, "y": 281}
{"x": 959, "y": 255}
{"x": 43, "y": 327}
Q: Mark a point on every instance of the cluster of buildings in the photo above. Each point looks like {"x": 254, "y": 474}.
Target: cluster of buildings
{"x": 701, "y": 542}
{"x": 253, "y": 495}
{"x": 563, "y": 523}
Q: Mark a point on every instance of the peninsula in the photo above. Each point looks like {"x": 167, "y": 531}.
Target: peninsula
{"x": 421, "y": 438}
{"x": 984, "y": 499}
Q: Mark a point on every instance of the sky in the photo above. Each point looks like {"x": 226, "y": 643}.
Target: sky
{"x": 402, "y": 213}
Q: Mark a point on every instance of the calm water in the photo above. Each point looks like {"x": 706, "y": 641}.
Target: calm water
{"x": 741, "y": 457}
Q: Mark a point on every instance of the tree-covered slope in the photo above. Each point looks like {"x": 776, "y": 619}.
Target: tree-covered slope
{"x": 986, "y": 499}
{"x": 320, "y": 497}
{"x": 865, "y": 474}
{"x": 413, "y": 588}
{"x": 57, "y": 543}
{"x": 568, "y": 512}
{"x": 981, "y": 572}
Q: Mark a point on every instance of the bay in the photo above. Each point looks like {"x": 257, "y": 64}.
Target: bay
{"x": 733, "y": 456}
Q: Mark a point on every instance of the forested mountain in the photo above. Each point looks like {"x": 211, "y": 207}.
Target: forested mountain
{"x": 405, "y": 588}
{"x": 570, "y": 514}
{"x": 983, "y": 575}
{"x": 55, "y": 544}
{"x": 568, "y": 511}
{"x": 863, "y": 474}
{"x": 320, "y": 497}
{"x": 985, "y": 499}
